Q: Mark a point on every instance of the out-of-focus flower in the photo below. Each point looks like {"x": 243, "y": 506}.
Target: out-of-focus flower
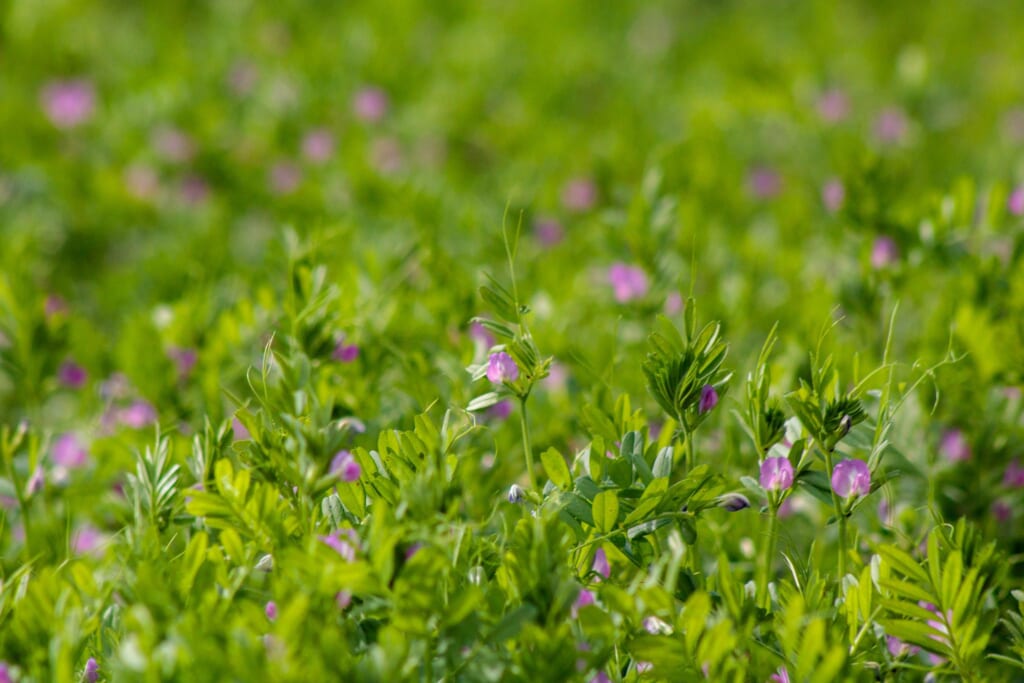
{"x": 239, "y": 430}
{"x": 386, "y": 155}
{"x": 776, "y": 474}
{"x": 515, "y": 494}
{"x": 54, "y": 306}
{"x": 579, "y": 195}
{"x": 339, "y": 545}
{"x": 370, "y": 104}
{"x": 194, "y": 190}
{"x": 584, "y": 598}
{"x": 628, "y": 282}
{"x": 318, "y": 145}
{"x": 891, "y": 125}
{"x": 1002, "y": 511}
{"x": 242, "y": 78}
{"x": 284, "y": 177}
{"x": 600, "y": 677}
{"x": 1015, "y": 202}
{"x": 764, "y": 182}
{"x": 897, "y": 648}
{"x": 851, "y": 478}
{"x": 68, "y": 103}
{"x": 502, "y": 368}
{"x": 708, "y": 399}
{"x": 673, "y": 304}
{"x": 656, "y": 626}
{"x": 343, "y": 599}
{"x": 1013, "y": 476}
{"x": 345, "y": 353}
{"x": 138, "y": 415}
{"x": 141, "y": 182}
{"x": 500, "y": 410}
{"x": 734, "y": 502}
{"x": 72, "y": 375}
{"x": 884, "y": 252}
{"x": 345, "y": 466}
{"x": 549, "y": 231}
{"x": 87, "y": 540}
{"x": 270, "y": 609}
{"x": 5, "y": 673}
{"x": 600, "y": 564}
{"x": 69, "y": 452}
{"x": 184, "y": 358}
{"x": 92, "y": 670}
{"x": 833, "y": 105}
{"x": 481, "y": 335}
{"x": 780, "y": 676}
{"x": 36, "y": 481}
{"x": 833, "y": 194}
{"x": 173, "y": 145}
{"x": 954, "y": 446}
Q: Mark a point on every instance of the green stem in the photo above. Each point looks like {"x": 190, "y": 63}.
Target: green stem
{"x": 840, "y": 517}
{"x": 528, "y": 451}
{"x": 763, "y": 595}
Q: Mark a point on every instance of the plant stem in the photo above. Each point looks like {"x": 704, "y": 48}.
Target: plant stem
{"x": 840, "y": 517}
{"x": 763, "y": 596}
{"x": 527, "y": 450}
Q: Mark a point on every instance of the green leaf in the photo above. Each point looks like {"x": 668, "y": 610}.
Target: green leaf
{"x": 556, "y": 468}
{"x": 606, "y": 510}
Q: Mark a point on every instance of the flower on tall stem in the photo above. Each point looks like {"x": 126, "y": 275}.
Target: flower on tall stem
{"x": 851, "y": 478}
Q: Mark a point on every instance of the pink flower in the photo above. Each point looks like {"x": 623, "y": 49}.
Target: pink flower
{"x": 239, "y": 431}
{"x": 833, "y": 194}
{"x": 708, "y": 399}
{"x": 584, "y": 598}
{"x": 897, "y": 648}
{"x": 481, "y": 335}
{"x": 776, "y": 474}
{"x": 343, "y": 599}
{"x": 1002, "y": 511}
{"x": 270, "y": 609}
{"x": 891, "y": 125}
{"x": 141, "y": 182}
{"x": 502, "y": 368}
{"x": 345, "y": 353}
{"x": 345, "y": 466}
{"x": 318, "y": 145}
{"x": 284, "y": 178}
{"x": 1013, "y": 477}
{"x": 851, "y": 478}
{"x": 5, "y": 673}
{"x": 500, "y": 410}
{"x": 370, "y": 104}
{"x": 781, "y": 675}
{"x": 138, "y": 415}
{"x": 54, "y": 306}
{"x": 36, "y": 481}
{"x": 173, "y": 145}
{"x": 68, "y": 452}
{"x": 764, "y": 182}
{"x": 184, "y": 359}
{"x": 833, "y": 105}
{"x": 1015, "y": 203}
{"x": 954, "y": 446}
{"x": 884, "y": 252}
{"x": 92, "y": 670}
{"x": 549, "y": 231}
{"x": 600, "y": 564}
{"x": 194, "y": 190}
{"x": 600, "y": 677}
{"x": 673, "y": 304}
{"x": 629, "y": 282}
{"x": 72, "y": 375}
{"x": 340, "y": 546}
{"x": 386, "y": 155}
{"x": 87, "y": 540}
{"x": 68, "y": 103}
{"x": 579, "y": 195}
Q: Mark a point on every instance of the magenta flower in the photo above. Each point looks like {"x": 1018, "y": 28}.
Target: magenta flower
{"x": 851, "y": 478}
{"x": 1002, "y": 511}
{"x": 239, "y": 430}
{"x": 1013, "y": 477}
{"x": 584, "y": 598}
{"x": 1015, "y": 203}
{"x": 284, "y": 178}
{"x": 764, "y": 182}
{"x": 173, "y": 145}
{"x": 673, "y": 304}
{"x": 776, "y": 474}
{"x": 318, "y": 145}
{"x": 54, "y": 306}
{"x": 781, "y": 675}
{"x": 481, "y": 335}
{"x": 370, "y": 104}
{"x": 884, "y": 252}
{"x": 891, "y": 125}
{"x": 833, "y": 105}
{"x": 502, "y": 368}
{"x": 340, "y": 546}
{"x": 343, "y": 599}
{"x": 954, "y": 446}
{"x": 708, "y": 399}
{"x": 897, "y": 648}
{"x": 629, "y": 282}
{"x": 194, "y": 190}
{"x": 345, "y": 353}
{"x": 600, "y": 677}
{"x": 68, "y": 452}
{"x": 600, "y": 564}
{"x": 138, "y": 415}
{"x": 271, "y": 610}
{"x": 87, "y": 540}
{"x": 92, "y": 670}
{"x": 345, "y": 466}
{"x": 833, "y": 194}
{"x": 184, "y": 359}
{"x": 5, "y": 673}
{"x": 579, "y": 195}
{"x": 68, "y": 103}
{"x": 36, "y": 481}
{"x": 500, "y": 410}
{"x": 72, "y": 375}
{"x": 549, "y": 231}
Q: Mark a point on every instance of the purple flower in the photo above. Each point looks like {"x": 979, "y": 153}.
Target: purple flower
{"x": 781, "y": 675}
{"x": 68, "y": 452}
{"x": 954, "y": 446}
{"x": 1013, "y": 477}
{"x": 1015, "y": 203}
{"x": 184, "y": 359}
{"x": 92, "y": 670}
{"x": 1002, "y": 511}
{"x": 138, "y": 415}
{"x": 897, "y": 648}
{"x": 173, "y": 145}
{"x": 500, "y": 410}
{"x": 5, "y": 673}
{"x": 891, "y": 125}
{"x": 345, "y": 353}
{"x": 68, "y": 103}
{"x": 579, "y": 195}
{"x": 284, "y": 177}
{"x": 318, "y": 145}
{"x": 501, "y": 368}
{"x": 549, "y": 231}
{"x": 673, "y": 303}
{"x": 884, "y": 252}
{"x": 851, "y": 478}
{"x": 72, "y": 375}
{"x": 600, "y": 564}
{"x": 584, "y": 598}
{"x": 370, "y": 104}
{"x": 833, "y": 105}
{"x": 833, "y": 194}
{"x": 343, "y": 599}
{"x": 239, "y": 431}
{"x": 654, "y": 626}
{"x": 340, "y": 546}
{"x": 600, "y": 677}
{"x": 54, "y": 305}
{"x": 515, "y": 494}
{"x": 481, "y": 335}
{"x": 764, "y": 182}
{"x": 87, "y": 540}
{"x": 629, "y": 282}
{"x": 345, "y": 466}
{"x": 734, "y": 502}
{"x": 271, "y": 610}
{"x": 194, "y": 189}
{"x": 36, "y": 481}
{"x": 776, "y": 474}
{"x": 708, "y": 399}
